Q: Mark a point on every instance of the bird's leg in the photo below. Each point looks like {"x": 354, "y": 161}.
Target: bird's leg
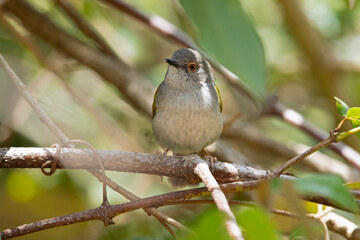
{"x": 209, "y": 157}
{"x": 166, "y": 150}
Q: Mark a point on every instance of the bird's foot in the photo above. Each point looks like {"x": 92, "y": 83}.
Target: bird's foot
{"x": 166, "y": 150}
{"x": 207, "y": 156}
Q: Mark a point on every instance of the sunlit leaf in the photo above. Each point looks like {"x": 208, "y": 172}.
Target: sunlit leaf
{"x": 251, "y": 218}
{"x": 353, "y": 185}
{"x": 341, "y": 107}
{"x": 21, "y": 187}
{"x": 226, "y": 32}
{"x": 353, "y": 112}
{"x": 311, "y": 207}
{"x": 329, "y": 186}
{"x": 356, "y": 123}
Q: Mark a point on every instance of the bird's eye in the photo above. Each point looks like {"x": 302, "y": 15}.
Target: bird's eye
{"x": 192, "y": 66}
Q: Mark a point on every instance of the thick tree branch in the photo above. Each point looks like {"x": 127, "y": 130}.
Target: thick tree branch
{"x": 171, "y": 166}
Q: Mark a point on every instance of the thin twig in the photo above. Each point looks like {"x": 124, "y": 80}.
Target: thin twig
{"x": 295, "y": 119}
{"x": 203, "y": 171}
{"x": 32, "y": 102}
{"x": 101, "y": 164}
{"x": 132, "y": 197}
{"x": 253, "y": 140}
{"x": 291, "y": 162}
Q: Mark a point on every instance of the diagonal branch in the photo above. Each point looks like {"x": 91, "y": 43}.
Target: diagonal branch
{"x": 203, "y": 171}
{"x": 151, "y": 210}
{"x": 291, "y": 162}
{"x": 85, "y": 27}
{"x": 294, "y": 118}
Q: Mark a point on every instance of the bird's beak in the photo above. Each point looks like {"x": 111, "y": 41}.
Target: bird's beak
{"x": 171, "y": 62}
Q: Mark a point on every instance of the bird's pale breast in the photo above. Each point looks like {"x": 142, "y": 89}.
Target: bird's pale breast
{"x": 187, "y": 121}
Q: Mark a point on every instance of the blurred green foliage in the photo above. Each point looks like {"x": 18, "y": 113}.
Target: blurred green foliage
{"x": 256, "y": 224}
{"x": 209, "y": 225}
{"x": 329, "y": 186}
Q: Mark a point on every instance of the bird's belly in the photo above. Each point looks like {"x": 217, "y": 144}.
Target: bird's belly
{"x": 187, "y": 132}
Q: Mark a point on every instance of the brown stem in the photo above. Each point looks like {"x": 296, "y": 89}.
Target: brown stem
{"x": 295, "y": 119}
{"x": 291, "y": 162}
{"x": 132, "y": 197}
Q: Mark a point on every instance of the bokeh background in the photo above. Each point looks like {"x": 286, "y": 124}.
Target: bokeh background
{"x": 302, "y": 76}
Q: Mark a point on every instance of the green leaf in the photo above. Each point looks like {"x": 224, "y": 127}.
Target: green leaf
{"x": 251, "y": 218}
{"x": 356, "y": 123}
{"x": 209, "y": 225}
{"x": 226, "y": 32}
{"x": 329, "y": 186}
{"x": 341, "y": 107}
{"x": 353, "y": 112}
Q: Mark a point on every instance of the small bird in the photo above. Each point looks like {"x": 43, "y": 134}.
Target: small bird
{"x": 187, "y": 105}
